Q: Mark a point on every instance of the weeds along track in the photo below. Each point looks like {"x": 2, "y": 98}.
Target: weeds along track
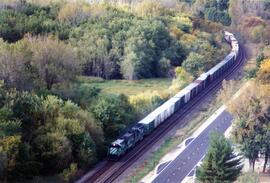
{"x": 110, "y": 171}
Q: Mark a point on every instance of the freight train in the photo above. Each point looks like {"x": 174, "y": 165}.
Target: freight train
{"x": 160, "y": 114}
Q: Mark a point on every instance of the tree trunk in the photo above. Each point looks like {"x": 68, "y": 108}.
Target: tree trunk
{"x": 265, "y": 161}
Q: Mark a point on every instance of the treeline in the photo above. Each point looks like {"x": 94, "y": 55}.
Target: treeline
{"x": 111, "y": 42}
{"x": 51, "y": 123}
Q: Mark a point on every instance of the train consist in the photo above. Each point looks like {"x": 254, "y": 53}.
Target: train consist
{"x": 160, "y": 114}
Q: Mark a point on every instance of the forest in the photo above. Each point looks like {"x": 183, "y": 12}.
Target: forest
{"x": 52, "y": 122}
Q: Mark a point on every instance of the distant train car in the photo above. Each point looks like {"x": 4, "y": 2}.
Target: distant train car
{"x": 183, "y": 95}
{"x": 163, "y": 112}
{"x": 177, "y": 103}
{"x": 202, "y": 81}
{"x": 193, "y": 88}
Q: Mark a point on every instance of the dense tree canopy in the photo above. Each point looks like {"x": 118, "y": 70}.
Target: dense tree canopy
{"x": 193, "y": 63}
{"x": 115, "y": 114}
{"x": 37, "y": 62}
{"x": 38, "y": 132}
{"x": 30, "y": 19}
{"x": 51, "y": 122}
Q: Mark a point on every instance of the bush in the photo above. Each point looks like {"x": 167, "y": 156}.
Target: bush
{"x": 257, "y": 34}
{"x": 115, "y": 114}
{"x": 146, "y": 102}
{"x": 193, "y": 64}
{"x": 70, "y": 172}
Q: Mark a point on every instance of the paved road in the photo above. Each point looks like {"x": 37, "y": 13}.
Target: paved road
{"x": 178, "y": 169}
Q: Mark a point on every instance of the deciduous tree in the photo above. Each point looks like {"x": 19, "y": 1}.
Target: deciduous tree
{"x": 114, "y": 112}
{"x": 53, "y": 60}
{"x": 193, "y": 63}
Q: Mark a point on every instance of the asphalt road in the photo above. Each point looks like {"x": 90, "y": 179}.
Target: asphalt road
{"x": 179, "y": 168}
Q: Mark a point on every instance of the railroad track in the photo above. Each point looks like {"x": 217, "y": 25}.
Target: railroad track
{"x": 112, "y": 170}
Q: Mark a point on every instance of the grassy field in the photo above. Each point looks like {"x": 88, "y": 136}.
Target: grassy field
{"x": 127, "y": 87}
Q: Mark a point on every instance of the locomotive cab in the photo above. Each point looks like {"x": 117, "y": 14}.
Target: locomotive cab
{"x": 115, "y": 150}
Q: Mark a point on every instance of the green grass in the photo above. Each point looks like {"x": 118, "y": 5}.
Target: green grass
{"x": 127, "y": 87}
{"x": 248, "y": 177}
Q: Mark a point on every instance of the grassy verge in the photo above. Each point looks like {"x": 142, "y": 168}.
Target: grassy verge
{"x": 248, "y": 177}
{"x": 127, "y": 87}
{"x": 171, "y": 143}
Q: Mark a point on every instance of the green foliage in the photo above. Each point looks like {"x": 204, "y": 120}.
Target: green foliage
{"x": 217, "y": 11}
{"x": 182, "y": 79}
{"x": 193, "y": 63}
{"x": 37, "y": 63}
{"x": 251, "y": 73}
{"x": 126, "y": 47}
{"x": 8, "y": 128}
{"x": 69, "y": 172}
{"x": 150, "y": 42}
{"x": 28, "y": 108}
{"x": 31, "y": 19}
{"x": 259, "y": 59}
{"x": 220, "y": 163}
{"x": 45, "y": 48}
{"x": 115, "y": 114}
{"x": 82, "y": 94}
{"x": 36, "y": 132}
{"x": 53, "y": 147}
{"x": 26, "y": 165}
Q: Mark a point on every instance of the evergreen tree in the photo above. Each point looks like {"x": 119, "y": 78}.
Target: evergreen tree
{"x": 221, "y": 164}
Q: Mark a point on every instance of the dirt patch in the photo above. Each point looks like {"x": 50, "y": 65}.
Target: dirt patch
{"x": 264, "y": 178}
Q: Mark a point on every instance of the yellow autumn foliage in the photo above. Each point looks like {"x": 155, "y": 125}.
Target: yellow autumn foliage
{"x": 252, "y": 100}
{"x": 149, "y": 8}
{"x": 74, "y": 12}
{"x": 145, "y": 102}
{"x": 181, "y": 80}
{"x": 77, "y": 11}
{"x": 9, "y": 146}
{"x": 263, "y": 74}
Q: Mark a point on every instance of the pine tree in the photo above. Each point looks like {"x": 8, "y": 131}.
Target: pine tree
{"x": 221, "y": 164}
